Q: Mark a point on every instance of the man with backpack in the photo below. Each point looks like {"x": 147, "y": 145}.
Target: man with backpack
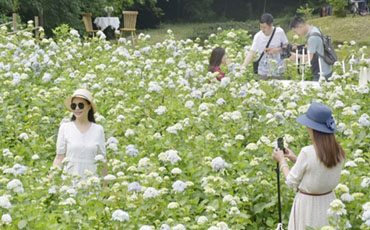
{"x": 319, "y": 47}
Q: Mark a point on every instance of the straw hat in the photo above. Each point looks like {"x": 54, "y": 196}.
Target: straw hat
{"x": 81, "y": 93}
{"x": 318, "y": 117}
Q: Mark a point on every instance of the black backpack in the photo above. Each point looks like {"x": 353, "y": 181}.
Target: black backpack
{"x": 330, "y": 57}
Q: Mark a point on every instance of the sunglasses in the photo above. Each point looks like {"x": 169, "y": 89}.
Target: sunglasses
{"x": 80, "y": 106}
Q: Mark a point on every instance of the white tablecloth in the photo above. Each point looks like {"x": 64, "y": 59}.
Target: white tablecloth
{"x": 104, "y": 22}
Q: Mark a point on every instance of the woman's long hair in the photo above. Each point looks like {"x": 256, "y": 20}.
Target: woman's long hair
{"x": 90, "y": 114}
{"x": 216, "y": 58}
{"x": 328, "y": 149}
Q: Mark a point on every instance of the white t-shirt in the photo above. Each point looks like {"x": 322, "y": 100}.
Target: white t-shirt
{"x": 80, "y": 148}
{"x": 260, "y": 40}
{"x": 270, "y": 65}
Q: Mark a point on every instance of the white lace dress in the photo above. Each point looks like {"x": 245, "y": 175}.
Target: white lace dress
{"x": 311, "y": 176}
{"x": 80, "y": 148}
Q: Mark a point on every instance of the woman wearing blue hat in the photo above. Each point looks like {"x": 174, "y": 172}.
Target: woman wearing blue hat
{"x": 316, "y": 171}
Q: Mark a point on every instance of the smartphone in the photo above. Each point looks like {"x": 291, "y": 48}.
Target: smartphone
{"x": 280, "y": 143}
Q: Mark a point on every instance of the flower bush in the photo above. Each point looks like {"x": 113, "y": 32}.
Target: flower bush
{"x": 184, "y": 150}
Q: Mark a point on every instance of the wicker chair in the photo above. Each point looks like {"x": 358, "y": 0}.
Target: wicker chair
{"x": 129, "y": 23}
{"x": 88, "y": 24}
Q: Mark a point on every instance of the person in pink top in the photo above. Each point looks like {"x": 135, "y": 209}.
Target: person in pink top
{"x": 217, "y": 58}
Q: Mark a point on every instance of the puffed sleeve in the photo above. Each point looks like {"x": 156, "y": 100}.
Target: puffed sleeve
{"x": 101, "y": 144}
{"x": 61, "y": 141}
{"x": 296, "y": 173}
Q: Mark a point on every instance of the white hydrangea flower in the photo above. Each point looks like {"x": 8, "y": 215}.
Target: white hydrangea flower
{"x": 53, "y": 189}
{"x": 179, "y": 186}
{"x": 234, "y": 211}
{"x": 68, "y": 201}
{"x": 342, "y": 188}
{"x": 229, "y": 199}
{"x": 4, "y": 202}
{"x": 112, "y": 140}
{"x": 366, "y": 214}
{"x": 46, "y": 77}
{"x": 236, "y": 115}
{"x": 202, "y": 220}
{"x": 144, "y": 162}
{"x": 231, "y": 35}
{"x": 154, "y": 87}
{"x": 218, "y": 164}
{"x": 179, "y": 227}
{"x": 74, "y": 32}
{"x": 120, "y": 215}
{"x": 189, "y": 104}
{"x": 364, "y": 120}
{"x": 346, "y": 197}
{"x": 131, "y": 150}
{"x": 337, "y": 208}
{"x": 203, "y": 107}
{"x": 24, "y": 136}
{"x": 6, "y": 218}
{"x": 350, "y": 164}
{"x": 35, "y": 157}
{"x": 338, "y": 104}
{"x": 16, "y": 169}
{"x": 160, "y": 110}
{"x": 265, "y": 140}
{"x": 129, "y": 132}
{"x": 176, "y": 171}
{"x": 173, "y": 205}
{"x": 15, "y": 185}
{"x": 157, "y": 135}
{"x": 170, "y": 155}
{"x": 146, "y": 227}
{"x": 220, "y": 101}
{"x": 225, "y": 82}
{"x": 165, "y": 227}
{"x": 150, "y": 193}
{"x": 110, "y": 177}
{"x": 100, "y": 35}
{"x": 100, "y": 157}
{"x": 251, "y": 146}
{"x": 173, "y": 129}
{"x": 365, "y": 183}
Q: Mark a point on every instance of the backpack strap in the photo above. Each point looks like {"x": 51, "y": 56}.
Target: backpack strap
{"x": 317, "y": 35}
{"x": 268, "y": 43}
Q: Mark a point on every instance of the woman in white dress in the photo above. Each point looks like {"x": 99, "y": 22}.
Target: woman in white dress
{"x": 81, "y": 139}
{"x": 316, "y": 171}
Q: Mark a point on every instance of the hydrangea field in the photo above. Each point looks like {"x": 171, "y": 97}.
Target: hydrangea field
{"x": 184, "y": 150}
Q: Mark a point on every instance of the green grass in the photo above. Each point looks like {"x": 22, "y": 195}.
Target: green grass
{"x": 345, "y": 29}
{"x": 183, "y": 31}
{"x": 340, "y": 29}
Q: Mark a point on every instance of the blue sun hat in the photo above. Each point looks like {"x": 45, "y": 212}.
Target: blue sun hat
{"x": 318, "y": 117}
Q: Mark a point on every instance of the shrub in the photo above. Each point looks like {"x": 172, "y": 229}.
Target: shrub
{"x": 339, "y": 7}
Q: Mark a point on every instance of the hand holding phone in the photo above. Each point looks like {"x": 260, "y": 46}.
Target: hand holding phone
{"x": 280, "y": 143}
